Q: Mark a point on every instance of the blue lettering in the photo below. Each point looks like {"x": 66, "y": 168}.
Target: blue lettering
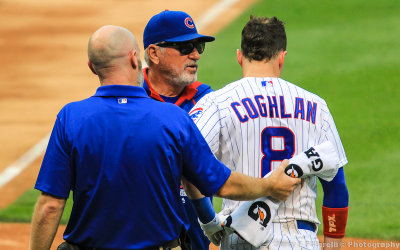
{"x": 273, "y": 105}
{"x": 299, "y": 108}
{"x": 262, "y": 107}
{"x": 249, "y": 104}
{"x": 241, "y": 119}
{"x": 283, "y": 112}
{"x": 311, "y": 111}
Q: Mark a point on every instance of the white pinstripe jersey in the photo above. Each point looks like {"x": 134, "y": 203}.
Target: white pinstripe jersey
{"x": 252, "y": 124}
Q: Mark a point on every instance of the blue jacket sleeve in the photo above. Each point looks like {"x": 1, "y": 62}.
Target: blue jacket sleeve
{"x": 336, "y": 194}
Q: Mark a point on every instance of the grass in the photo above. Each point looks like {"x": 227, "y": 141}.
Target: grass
{"x": 22, "y": 209}
{"x": 347, "y": 52}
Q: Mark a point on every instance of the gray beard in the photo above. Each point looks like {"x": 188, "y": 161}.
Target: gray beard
{"x": 183, "y": 80}
{"x": 140, "y": 79}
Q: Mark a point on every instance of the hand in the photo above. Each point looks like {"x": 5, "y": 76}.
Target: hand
{"x": 213, "y": 230}
{"x": 281, "y": 185}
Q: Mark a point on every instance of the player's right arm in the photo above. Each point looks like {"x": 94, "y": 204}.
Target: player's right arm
{"x": 335, "y": 205}
{"x": 336, "y": 195}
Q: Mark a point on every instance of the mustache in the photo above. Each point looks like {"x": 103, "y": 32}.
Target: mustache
{"x": 191, "y": 64}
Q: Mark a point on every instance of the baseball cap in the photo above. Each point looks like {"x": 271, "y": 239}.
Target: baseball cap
{"x": 172, "y": 26}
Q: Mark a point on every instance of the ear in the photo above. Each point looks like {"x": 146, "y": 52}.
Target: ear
{"x": 91, "y": 67}
{"x": 133, "y": 59}
{"x": 239, "y": 57}
{"x": 153, "y": 53}
{"x": 282, "y": 59}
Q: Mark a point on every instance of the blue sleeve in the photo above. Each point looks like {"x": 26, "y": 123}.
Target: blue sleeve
{"x": 204, "y": 209}
{"x": 55, "y": 173}
{"x": 336, "y": 194}
{"x": 201, "y": 167}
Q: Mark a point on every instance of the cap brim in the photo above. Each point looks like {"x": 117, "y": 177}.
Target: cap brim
{"x": 189, "y": 37}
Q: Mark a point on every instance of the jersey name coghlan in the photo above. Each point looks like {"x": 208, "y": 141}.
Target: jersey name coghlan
{"x": 273, "y": 107}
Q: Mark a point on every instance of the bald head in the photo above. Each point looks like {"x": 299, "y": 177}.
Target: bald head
{"x": 109, "y": 44}
{"x": 113, "y": 53}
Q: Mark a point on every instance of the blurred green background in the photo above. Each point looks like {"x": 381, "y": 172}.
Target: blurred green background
{"x": 347, "y": 52}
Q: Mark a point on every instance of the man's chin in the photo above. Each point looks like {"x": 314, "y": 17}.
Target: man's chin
{"x": 189, "y": 78}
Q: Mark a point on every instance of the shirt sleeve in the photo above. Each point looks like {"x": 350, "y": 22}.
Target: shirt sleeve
{"x": 55, "y": 173}
{"x": 201, "y": 167}
{"x": 206, "y": 116}
{"x": 330, "y": 133}
{"x": 336, "y": 194}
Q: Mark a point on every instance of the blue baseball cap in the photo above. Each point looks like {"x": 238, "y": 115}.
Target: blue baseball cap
{"x": 172, "y": 26}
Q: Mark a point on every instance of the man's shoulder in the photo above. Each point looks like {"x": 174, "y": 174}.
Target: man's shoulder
{"x": 77, "y": 104}
{"x": 202, "y": 88}
{"x": 219, "y": 97}
{"x": 304, "y": 92}
{"x": 229, "y": 89}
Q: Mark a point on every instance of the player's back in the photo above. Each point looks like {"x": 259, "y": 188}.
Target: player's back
{"x": 254, "y": 123}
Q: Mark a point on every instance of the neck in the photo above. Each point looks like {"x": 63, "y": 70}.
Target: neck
{"x": 261, "y": 68}
{"x": 119, "y": 77}
{"x": 160, "y": 83}
{"x": 116, "y": 82}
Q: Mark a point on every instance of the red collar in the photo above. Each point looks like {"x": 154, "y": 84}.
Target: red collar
{"x": 188, "y": 92}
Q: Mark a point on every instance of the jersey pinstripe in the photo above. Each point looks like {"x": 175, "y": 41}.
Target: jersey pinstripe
{"x": 254, "y": 123}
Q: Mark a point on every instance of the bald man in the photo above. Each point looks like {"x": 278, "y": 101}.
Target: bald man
{"x": 78, "y": 152}
{"x": 123, "y": 155}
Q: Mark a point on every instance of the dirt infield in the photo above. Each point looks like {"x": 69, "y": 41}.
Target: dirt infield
{"x": 43, "y": 66}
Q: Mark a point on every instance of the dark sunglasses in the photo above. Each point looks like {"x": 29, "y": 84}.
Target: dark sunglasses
{"x": 185, "y": 48}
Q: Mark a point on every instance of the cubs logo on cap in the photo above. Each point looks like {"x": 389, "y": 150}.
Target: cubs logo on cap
{"x": 189, "y": 22}
{"x": 172, "y": 26}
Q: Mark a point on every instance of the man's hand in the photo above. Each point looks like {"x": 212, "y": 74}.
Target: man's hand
{"x": 281, "y": 185}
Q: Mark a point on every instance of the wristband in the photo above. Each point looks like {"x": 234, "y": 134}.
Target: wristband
{"x": 204, "y": 209}
{"x": 334, "y": 220}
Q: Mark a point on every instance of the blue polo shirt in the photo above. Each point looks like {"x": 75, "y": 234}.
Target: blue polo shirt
{"x": 123, "y": 155}
{"x": 186, "y": 100}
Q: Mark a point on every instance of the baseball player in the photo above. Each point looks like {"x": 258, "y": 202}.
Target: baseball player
{"x": 254, "y": 123}
{"x": 172, "y": 50}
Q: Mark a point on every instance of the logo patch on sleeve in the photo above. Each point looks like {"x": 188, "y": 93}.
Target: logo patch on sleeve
{"x": 196, "y": 113}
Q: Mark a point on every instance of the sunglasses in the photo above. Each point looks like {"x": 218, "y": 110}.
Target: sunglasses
{"x": 184, "y": 48}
